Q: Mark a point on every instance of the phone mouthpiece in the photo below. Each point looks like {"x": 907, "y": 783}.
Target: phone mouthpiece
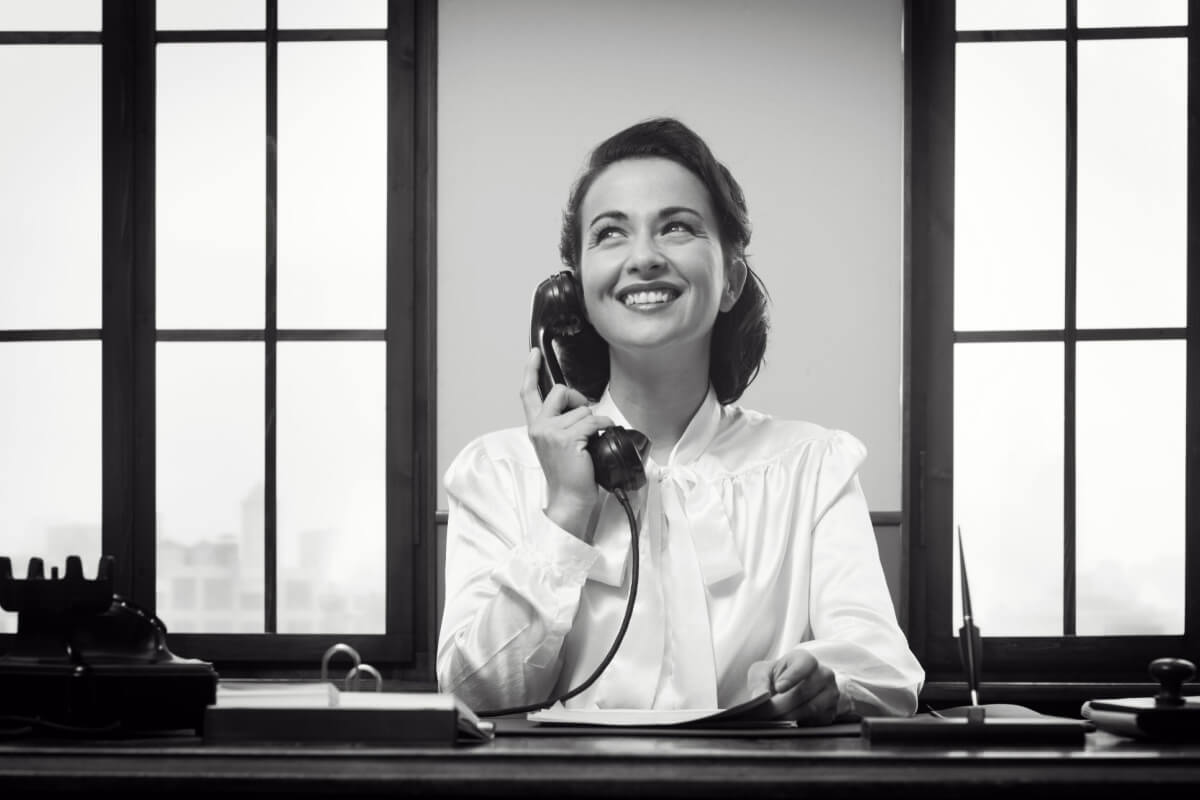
{"x": 618, "y": 458}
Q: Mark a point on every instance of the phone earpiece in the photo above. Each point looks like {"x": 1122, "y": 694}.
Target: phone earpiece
{"x": 557, "y": 311}
{"x": 563, "y": 304}
{"x": 618, "y": 458}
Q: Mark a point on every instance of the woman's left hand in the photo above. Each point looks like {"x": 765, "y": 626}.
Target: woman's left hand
{"x": 803, "y": 688}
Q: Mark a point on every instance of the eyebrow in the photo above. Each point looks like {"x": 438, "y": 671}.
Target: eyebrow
{"x": 670, "y": 210}
{"x": 664, "y": 212}
{"x": 617, "y": 215}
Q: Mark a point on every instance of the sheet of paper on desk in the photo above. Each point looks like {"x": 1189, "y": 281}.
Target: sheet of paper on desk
{"x": 752, "y": 711}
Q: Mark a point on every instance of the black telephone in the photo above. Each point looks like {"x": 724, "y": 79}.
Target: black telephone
{"x": 85, "y": 661}
{"x": 618, "y": 454}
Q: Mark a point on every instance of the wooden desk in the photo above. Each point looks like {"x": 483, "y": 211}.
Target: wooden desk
{"x": 613, "y": 767}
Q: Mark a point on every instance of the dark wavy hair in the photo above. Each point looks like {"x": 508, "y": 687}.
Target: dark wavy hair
{"x": 739, "y": 336}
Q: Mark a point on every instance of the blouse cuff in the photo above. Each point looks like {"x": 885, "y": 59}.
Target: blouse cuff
{"x": 560, "y": 549}
{"x": 549, "y": 571}
{"x": 845, "y": 702}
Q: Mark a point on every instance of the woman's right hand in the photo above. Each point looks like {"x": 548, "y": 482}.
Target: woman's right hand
{"x": 559, "y": 427}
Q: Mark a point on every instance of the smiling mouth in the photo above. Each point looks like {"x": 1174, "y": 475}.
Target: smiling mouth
{"x": 649, "y": 298}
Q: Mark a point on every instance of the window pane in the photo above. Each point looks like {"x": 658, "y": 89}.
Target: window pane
{"x": 211, "y": 179}
{"x": 60, "y": 15}
{"x": 50, "y": 186}
{"x": 1132, "y": 251}
{"x": 208, "y": 15}
{"x": 333, "y": 13}
{"x": 332, "y": 184}
{"x": 1008, "y": 485}
{"x": 331, "y": 437}
{"x": 210, "y": 485}
{"x": 1008, "y": 186}
{"x": 50, "y": 484}
{"x": 1130, "y": 466}
{"x": 973, "y": 15}
{"x": 1122, "y": 13}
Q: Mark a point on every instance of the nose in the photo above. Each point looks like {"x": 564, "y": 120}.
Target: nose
{"x": 644, "y": 254}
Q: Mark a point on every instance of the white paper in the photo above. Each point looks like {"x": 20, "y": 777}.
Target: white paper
{"x": 751, "y": 710}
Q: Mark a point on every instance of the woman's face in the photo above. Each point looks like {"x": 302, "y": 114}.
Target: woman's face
{"x": 652, "y": 264}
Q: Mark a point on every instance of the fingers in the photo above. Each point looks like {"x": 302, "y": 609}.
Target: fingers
{"x": 793, "y": 669}
{"x": 574, "y": 425}
{"x": 562, "y": 398}
{"x": 820, "y": 709}
{"x": 802, "y": 688}
{"x": 557, "y": 400}
{"x": 759, "y": 678}
{"x": 531, "y": 398}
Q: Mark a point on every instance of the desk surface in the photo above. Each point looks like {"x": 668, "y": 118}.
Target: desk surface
{"x": 610, "y": 766}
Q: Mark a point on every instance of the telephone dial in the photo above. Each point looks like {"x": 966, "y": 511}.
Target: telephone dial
{"x": 559, "y": 327}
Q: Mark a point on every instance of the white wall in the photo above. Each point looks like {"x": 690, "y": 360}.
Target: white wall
{"x": 802, "y": 100}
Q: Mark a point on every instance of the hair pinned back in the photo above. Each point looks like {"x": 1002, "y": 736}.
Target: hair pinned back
{"x": 740, "y": 335}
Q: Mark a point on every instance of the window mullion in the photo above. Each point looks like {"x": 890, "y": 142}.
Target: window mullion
{"x": 128, "y": 433}
{"x": 1192, "y": 452}
{"x": 270, "y": 592}
{"x": 1069, "y": 339}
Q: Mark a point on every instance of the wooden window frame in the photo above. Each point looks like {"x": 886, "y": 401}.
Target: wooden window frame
{"x": 930, "y": 42}
{"x": 129, "y": 335}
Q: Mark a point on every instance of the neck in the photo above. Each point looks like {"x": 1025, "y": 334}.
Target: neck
{"x": 659, "y": 394}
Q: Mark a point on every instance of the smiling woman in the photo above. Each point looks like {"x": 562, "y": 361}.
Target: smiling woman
{"x": 682, "y": 203}
{"x": 759, "y": 569}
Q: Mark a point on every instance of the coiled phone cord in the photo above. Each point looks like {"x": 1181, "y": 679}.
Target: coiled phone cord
{"x": 623, "y": 498}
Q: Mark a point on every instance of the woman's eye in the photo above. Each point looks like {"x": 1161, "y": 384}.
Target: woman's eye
{"x": 678, "y": 226}
{"x": 604, "y": 234}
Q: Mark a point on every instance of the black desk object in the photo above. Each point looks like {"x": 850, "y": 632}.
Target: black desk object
{"x": 1167, "y": 715}
{"x": 86, "y": 661}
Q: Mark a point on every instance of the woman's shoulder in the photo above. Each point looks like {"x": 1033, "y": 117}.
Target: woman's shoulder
{"x": 506, "y": 444}
{"x": 506, "y": 449}
{"x": 749, "y": 439}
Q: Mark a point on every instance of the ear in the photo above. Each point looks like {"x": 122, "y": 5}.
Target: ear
{"x": 735, "y": 281}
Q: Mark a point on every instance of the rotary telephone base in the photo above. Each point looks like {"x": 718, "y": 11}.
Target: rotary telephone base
{"x": 87, "y": 662}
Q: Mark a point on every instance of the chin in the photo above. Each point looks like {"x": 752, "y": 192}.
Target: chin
{"x": 651, "y": 342}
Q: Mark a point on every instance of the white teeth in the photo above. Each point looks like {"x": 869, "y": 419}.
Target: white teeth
{"x": 648, "y": 297}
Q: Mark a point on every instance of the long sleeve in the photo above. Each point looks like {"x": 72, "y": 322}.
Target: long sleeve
{"x": 513, "y": 581}
{"x": 854, "y": 626}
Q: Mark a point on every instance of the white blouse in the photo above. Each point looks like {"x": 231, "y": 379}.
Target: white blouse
{"x": 755, "y": 540}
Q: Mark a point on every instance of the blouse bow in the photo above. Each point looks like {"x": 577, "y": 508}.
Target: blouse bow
{"x": 694, "y": 505}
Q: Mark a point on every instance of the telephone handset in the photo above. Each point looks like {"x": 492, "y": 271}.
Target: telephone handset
{"x": 618, "y": 454}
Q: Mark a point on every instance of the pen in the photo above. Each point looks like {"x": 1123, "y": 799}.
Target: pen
{"x": 968, "y": 635}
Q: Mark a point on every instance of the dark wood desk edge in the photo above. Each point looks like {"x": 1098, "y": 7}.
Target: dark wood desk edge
{"x": 604, "y": 767}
